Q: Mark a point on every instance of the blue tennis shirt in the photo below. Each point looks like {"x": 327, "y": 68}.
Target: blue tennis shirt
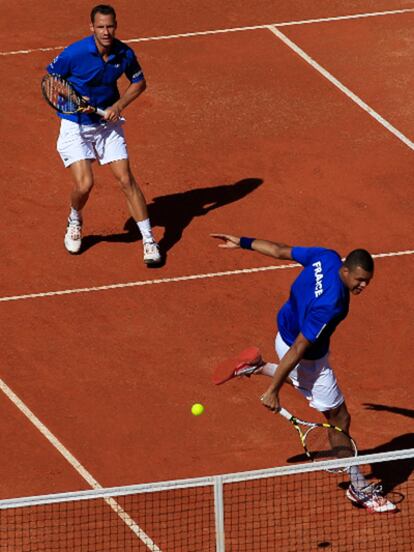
{"x": 318, "y": 300}
{"x": 82, "y": 65}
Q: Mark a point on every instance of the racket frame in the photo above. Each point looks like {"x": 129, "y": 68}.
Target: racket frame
{"x": 297, "y": 422}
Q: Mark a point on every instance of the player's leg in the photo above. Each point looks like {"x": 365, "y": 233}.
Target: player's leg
{"x": 269, "y": 368}
{"x": 340, "y": 442}
{"x": 360, "y": 491}
{"x": 329, "y": 400}
{"x": 326, "y": 396}
{"x": 134, "y": 196}
{"x": 258, "y": 366}
{"x": 137, "y": 207}
{"x": 111, "y": 148}
{"x": 75, "y": 146}
{"x": 82, "y": 185}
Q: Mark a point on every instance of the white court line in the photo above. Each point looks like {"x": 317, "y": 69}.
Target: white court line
{"x": 175, "y": 279}
{"x": 231, "y": 30}
{"x": 81, "y": 470}
{"x": 281, "y": 24}
{"x": 386, "y": 124}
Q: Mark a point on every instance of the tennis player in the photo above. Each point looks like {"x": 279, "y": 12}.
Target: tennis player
{"x": 93, "y": 66}
{"x": 318, "y": 302}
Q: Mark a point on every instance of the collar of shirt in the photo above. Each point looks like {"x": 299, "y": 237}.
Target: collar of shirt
{"x": 93, "y": 49}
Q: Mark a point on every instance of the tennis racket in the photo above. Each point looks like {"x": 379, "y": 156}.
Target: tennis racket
{"x": 322, "y": 441}
{"x": 61, "y": 95}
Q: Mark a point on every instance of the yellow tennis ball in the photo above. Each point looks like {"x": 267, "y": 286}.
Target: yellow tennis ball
{"x": 197, "y": 409}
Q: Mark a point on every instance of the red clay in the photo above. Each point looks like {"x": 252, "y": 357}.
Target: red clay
{"x": 238, "y": 134}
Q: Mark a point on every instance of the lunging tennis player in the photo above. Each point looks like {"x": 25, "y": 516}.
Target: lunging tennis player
{"x": 318, "y": 302}
{"x": 93, "y": 66}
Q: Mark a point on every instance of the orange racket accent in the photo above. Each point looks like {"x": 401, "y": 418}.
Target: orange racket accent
{"x": 226, "y": 370}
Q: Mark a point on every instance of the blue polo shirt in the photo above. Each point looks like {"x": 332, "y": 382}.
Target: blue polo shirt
{"x": 82, "y": 65}
{"x": 318, "y": 300}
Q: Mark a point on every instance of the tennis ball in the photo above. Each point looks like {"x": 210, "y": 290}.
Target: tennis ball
{"x": 197, "y": 409}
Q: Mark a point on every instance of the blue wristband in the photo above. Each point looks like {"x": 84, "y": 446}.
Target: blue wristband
{"x": 246, "y": 243}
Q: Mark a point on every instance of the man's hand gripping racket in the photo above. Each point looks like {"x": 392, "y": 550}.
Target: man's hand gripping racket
{"x": 61, "y": 95}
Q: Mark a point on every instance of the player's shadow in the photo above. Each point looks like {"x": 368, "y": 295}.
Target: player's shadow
{"x": 409, "y": 413}
{"x": 174, "y": 212}
{"x": 394, "y": 472}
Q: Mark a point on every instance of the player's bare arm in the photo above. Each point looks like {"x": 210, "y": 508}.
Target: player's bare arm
{"x": 265, "y": 247}
{"x": 134, "y": 90}
{"x": 270, "y": 399}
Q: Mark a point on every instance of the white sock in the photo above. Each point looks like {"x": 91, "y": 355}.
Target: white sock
{"x": 268, "y": 369}
{"x": 357, "y": 479}
{"x": 75, "y": 215}
{"x": 146, "y": 230}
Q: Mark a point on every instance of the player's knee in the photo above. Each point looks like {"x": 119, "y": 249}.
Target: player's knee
{"x": 84, "y": 185}
{"x": 344, "y": 420}
{"x": 126, "y": 183}
{"x": 340, "y": 417}
{"x": 129, "y": 186}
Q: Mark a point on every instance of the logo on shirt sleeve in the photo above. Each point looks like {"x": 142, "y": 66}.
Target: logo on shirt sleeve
{"x": 53, "y": 62}
{"x": 317, "y": 271}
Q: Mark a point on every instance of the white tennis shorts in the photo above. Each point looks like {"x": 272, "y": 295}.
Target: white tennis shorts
{"x": 315, "y": 379}
{"x": 103, "y": 141}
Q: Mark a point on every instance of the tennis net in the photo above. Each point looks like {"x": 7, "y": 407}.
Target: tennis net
{"x": 299, "y": 508}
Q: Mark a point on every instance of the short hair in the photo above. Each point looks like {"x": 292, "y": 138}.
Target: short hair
{"x": 359, "y": 257}
{"x": 104, "y": 9}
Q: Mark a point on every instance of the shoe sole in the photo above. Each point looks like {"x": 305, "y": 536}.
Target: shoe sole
{"x": 152, "y": 261}
{"x": 73, "y": 252}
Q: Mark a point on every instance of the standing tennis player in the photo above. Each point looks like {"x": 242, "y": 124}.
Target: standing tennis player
{"x": 318, "y": 302}
{"x": 93, "y": 66}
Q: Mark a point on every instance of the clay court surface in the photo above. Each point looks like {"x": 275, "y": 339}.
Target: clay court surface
{"x": 241, "y": 130}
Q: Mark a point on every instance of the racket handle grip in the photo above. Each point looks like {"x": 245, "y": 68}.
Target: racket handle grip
{"x": 100, "y": 112}
{"x": 283, "y": 412}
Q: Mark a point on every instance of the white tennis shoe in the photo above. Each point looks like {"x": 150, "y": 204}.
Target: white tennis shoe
{"x": 152, "y": 253}
{"x": 73, "y": 236}
{"x": 246, "y": 369}
{"x": 371, "y": 498}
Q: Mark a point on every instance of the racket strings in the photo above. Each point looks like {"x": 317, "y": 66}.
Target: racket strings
{"x": 60, "y": 94}
{"x": 318, "y": 444}
{"x": 324, "y": 443}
